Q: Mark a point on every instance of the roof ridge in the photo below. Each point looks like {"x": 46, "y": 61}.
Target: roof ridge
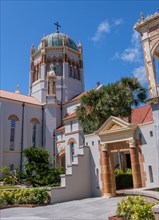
{"x": 17, "y": 93}
{"x": 19, "y": 97}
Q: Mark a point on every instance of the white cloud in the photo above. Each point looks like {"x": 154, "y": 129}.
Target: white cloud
{"x": 140, "y": 74}
{"x": 132, "y": 53}
{"x": 103, "y": 27}
{"x": 118, "y": 21}
{"x": 135, "y": 40}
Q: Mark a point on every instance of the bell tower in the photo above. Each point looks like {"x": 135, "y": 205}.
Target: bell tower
{"x": 56, "y": 67}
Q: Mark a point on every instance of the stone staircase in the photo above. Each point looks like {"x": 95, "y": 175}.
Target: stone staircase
{"x": 76, "y": 183}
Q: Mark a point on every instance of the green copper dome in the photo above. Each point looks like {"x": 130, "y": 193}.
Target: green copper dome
{"x": 56, "y": 39}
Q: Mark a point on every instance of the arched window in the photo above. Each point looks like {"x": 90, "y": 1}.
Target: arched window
{"x": 34, "y": 121}
{"x": 72, "y": 151}
{"x": 13, "y": 119}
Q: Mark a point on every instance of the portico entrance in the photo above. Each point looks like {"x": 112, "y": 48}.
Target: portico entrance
{"x": 118, "y": 137}
{"x": 108, "y": 168}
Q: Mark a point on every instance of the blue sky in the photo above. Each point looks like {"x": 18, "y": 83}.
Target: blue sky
{"x": 111, "y": 48}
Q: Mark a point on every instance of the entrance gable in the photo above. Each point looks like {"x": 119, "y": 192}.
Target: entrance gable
{"x": 114, "y": 124}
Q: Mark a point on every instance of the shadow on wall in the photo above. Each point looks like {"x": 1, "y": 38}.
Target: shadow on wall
{"x": 95, "y": 177}
{"x": 140, "y": 137}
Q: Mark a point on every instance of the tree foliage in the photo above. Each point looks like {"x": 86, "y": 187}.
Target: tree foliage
{"x": 38, "y": 169}
{"x": 115, "y": 99}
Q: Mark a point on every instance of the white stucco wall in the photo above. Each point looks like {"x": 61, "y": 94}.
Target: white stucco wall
{"x": 8, "y": 108}
{"x": 95, "y": 168}
{"x": 77, "y": 184}
{"x": 150, "y": 152}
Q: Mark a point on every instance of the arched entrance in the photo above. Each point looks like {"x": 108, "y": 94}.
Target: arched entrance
{"x": 61, "y": 159}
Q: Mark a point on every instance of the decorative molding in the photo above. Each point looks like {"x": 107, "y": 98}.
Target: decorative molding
{"x": 131, "y": 143}
{"x": 71, "y": 140}
{"x": 13, "y": 117}
{"x": 114, "y": 126}
{"x": 35, "y": 120}
{"x": 104, "y": 147}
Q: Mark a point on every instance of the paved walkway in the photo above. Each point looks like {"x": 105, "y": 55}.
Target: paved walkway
{"x": 86, "y": 209}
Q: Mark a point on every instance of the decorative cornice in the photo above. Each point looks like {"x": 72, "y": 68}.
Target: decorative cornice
{"x": 154, "y": 100}
{"x": 143, "y": 22}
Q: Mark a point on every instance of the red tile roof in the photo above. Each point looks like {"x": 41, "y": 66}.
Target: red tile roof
{"x": 69, "y": 116}
{"x": 19, "y": 97}
{"x": 141, "y": 115}
{"x": 77, "y": 97}
{"x": 61, "y": 128}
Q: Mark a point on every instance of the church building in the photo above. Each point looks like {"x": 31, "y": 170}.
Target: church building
{"x": 47, "y": 117}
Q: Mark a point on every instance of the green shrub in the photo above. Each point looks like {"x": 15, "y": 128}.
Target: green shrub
{"x": 24, "y": 196}
{"x": 119, "y": 172}
{"x": 135, "y": 208}
{"x": 123, "y": 178}
{"x": 128, "y": 171}
{"x": 9, "y": 180}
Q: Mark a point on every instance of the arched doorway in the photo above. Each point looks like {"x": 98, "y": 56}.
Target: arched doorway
{"x": 61, "y": 159}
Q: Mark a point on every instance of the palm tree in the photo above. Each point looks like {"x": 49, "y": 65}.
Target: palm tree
{"x": 115, "y": 99}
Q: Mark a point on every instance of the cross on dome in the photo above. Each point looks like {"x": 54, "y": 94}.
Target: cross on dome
{"x": 57, "y": 26}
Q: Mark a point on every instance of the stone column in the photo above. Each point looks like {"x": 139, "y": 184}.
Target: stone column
{"x": 136, "y": 174}
{"x": 105, "y": 171}
{"x": 113, "y": 180}
{"x": 149, "y": 63}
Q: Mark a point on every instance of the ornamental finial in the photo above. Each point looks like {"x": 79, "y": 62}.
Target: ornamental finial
{"x": 17, "y": 89}
{"x": 142, "y": 16}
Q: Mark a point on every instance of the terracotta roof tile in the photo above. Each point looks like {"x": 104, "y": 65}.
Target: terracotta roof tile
{"x": 19, "y": 97}
{"x": 141, "y": 115}
{"x": 77, "y": 97}
{"x": 69, "y": 116}
{"x": 61, "y": 128}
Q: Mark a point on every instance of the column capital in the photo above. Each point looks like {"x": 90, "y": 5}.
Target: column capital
{"x": 104, "y": 147}
{"x": 131, "y": 143}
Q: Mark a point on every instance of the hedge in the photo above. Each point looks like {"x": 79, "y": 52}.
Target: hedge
{"x": 24, "y": 196}
{"x": 123, "y": 179}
